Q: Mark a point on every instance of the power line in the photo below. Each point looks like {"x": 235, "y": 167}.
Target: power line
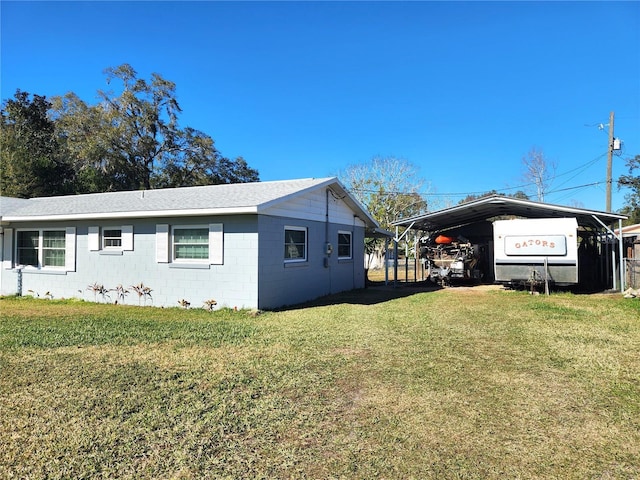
{"x": 480, "y": 192}
{"x": 578, "y": 186}
{"x": 579, "y": 169}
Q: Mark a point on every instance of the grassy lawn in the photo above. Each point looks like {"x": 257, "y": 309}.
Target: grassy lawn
{"x": 395, "y": 384}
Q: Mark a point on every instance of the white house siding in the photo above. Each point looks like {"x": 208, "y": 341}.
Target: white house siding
{"x": 247, "y": 255}
{"x": 232, "y": 284}
{"x": 291, "y": 283}
{"x": 313, "y": 206}
{"x": 252, "y": 273}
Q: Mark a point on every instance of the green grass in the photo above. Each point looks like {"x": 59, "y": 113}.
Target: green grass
{"x": 457, "y": 383}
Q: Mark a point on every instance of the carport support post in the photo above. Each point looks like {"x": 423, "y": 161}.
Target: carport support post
{"x": 415, "y": 258}
{"x": 620, "y": 252}
{"x": 623, "y": 265}
{"x": 397, "y": 240}
{"x": 613, "y": 269}
{"x": 386, "y": 261}
{"x": 406, "y": 261}
{"x": 395, "y": 260}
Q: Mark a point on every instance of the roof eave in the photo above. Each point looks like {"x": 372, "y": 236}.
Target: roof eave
{"x": 378, "y": 232}
{"x": 197, "y": 212}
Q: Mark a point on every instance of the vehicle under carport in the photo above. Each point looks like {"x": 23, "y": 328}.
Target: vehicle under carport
{"x": 469, "y": 230}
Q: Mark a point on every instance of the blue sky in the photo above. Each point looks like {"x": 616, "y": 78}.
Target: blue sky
{"x": 463, "y": 90}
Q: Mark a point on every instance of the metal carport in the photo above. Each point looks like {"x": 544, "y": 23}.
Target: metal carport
{"x": 486, "y": 208}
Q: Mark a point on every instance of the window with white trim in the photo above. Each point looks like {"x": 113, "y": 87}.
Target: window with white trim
{"x": 41, "y": 248}
{"x": 112, "y": 238}
{"x": 116, "y": 237}
{"x": 28, "y": 248}
{"x": 344, "y": 245}
{"x": 190, "y": 244}
{"x": 295, "y": 244}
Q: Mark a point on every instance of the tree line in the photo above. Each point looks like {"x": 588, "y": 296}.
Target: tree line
{"x": 132, "y": 140}
{"x": 127, "y": 141}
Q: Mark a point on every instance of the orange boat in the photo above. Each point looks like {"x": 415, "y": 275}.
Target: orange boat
{"x": 444, "y": 240}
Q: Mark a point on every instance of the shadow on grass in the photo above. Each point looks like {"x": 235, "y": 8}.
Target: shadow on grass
{"x": 374, "y": 293}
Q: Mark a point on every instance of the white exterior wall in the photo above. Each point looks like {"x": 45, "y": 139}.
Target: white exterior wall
{"x": 253, "y": 273}
{"x": 232, "y": 284}
{"x": 284, "y": 283}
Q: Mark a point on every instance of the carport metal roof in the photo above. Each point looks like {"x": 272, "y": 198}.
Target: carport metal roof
{"x": 498, "y": 205}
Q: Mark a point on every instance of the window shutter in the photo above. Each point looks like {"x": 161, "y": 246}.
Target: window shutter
{"x": 216, "y": 244}
{"x": 162, "y": 243}
{"x": 7, "y": 247}
{"x": 127, "y": 237}
{"x": 70, "y": 249}
{"x": 93, "y": 239}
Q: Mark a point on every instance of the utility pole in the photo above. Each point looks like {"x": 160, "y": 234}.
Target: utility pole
{"x": 609, "y": 162}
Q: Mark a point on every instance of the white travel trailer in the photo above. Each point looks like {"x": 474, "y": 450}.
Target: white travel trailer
{"x": 529, "y": 251}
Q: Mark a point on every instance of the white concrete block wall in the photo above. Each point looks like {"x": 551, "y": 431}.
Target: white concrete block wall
{"x": 233, "y": 284}
{"x": 253, "y": 273}
{"x": 283, "y": 283}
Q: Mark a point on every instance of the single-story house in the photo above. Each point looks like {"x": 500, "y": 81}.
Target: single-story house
{"x": 256, "y": 245}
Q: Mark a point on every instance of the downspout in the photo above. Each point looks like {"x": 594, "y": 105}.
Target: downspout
{"x": 327, "y": 249}
{"x": 353, "y": 255}
{"x": 326, "y": 224}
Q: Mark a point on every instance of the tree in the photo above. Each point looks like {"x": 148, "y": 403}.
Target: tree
{"x": 632, "y": 209}
{"x": 133, "y": 140}
{"x": 538, "y": 171}
{"x": 389, "y": 188}
{"x": 471, "y": 197}
{"x": 82, "y": 129}
{"x": 31, "y": 159}
{"x": 199, "y": 163}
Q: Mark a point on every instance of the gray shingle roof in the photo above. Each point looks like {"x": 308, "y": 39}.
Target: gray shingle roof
{"x": 9, "y": 204}
{"x": 211, "y": 199}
